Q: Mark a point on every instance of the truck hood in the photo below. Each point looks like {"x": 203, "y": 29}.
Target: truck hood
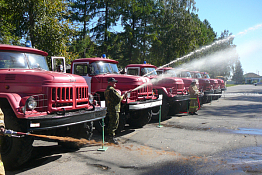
{"x": 167, "y": 82}
{"x": 213, "y": 81}
{"x": 123, "y": 78}
{"x": 38, "y": 76}
{"x": 203, "y": 80}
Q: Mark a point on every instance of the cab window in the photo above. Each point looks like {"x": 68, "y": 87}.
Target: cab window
{"x": 80, "y": 69}
{"x": 132, "y": 71}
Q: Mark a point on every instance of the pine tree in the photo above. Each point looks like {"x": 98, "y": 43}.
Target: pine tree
{"x": 238, "y": 73}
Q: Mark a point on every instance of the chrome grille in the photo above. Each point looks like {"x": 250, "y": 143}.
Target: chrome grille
{"x": 142, "y": 93}
{"x": 81, "y": 95}
{"x": 69, "y": 96}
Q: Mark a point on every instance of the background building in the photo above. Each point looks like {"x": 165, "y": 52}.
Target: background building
{"x": 252, "y": 78}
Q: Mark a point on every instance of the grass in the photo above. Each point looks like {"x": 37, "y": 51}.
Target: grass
{"x": 229, "y": 85}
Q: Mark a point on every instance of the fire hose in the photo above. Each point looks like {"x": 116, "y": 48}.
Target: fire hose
{"x": 11, "y": 133}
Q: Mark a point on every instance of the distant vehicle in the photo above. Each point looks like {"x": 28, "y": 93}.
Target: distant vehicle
{"x": 214, "y": 83}
{"x": 222, "y": 82}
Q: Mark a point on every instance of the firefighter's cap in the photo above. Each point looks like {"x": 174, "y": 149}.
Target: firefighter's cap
{"x": 111, "y": 80}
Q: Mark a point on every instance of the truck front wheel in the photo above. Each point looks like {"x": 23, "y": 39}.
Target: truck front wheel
{"x": 121, "y": 125}
{"x": 76, "y": 131}
{"x": 15, "y": 151}
{"x": 140, "y": 118}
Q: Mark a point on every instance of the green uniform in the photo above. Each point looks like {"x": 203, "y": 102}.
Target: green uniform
{"x": 193, "y": 91}
{"x": 113, "y": 102}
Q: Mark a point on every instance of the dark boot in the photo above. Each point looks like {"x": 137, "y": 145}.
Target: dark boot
{"x": 195, "y": 113}
{"x": 111, "y": 139}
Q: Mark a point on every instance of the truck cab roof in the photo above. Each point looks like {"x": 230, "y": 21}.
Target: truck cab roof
{"x": 5, "y": 47}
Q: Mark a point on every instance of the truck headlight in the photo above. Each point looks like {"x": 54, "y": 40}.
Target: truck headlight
{"x": 91, "y": 98}
{"x": 31, "y": 103}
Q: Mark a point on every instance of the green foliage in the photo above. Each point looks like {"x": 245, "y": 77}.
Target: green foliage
{"x": 7, "y": 29}
{"x": 238, "y": 73}
{"x": 153, "y": 30}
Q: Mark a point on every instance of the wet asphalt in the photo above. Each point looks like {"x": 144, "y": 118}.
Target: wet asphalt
{"x": 224, "y": 138}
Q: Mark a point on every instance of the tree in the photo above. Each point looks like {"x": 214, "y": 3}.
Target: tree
{"x": 136, "y": 19}
{"x": 176, "y": 31}
{"x": 79, "y": 13}
{"x": 238, "y": 73}
{"x": 42, "y": 22}
{"x": 7, "y": 29}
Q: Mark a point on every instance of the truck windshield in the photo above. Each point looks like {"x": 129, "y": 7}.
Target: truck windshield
{"x": 172, "y": 73}
{"x": 205, "y": 76}
{"x": 185, "y": 74}
{"x": 22, "y": 61}
{"x": 197, "y": 75}
{"x": 37, "y": 62}
{"x": 147, "y": 70}
{"x": 12, "y": 60}
{"x": 104, "y": 68}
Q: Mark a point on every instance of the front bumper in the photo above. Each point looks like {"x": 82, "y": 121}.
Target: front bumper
{"x": 144, "y": 104}
{"x": 223, "y": 89}
{"x": 217, "y": 91}
{"x": 67, "y": 119}
{"x": 178, "y": 98}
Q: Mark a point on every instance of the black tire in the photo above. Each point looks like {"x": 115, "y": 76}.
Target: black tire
{"x": 140, "y": 118}
{"x": 15, "y": 151}
{"x": 174, "y": 108}
{"x": 155, "y": 113}
{"x": 77, "y": 131}
{"x": 98, "y": 125}
{"x": 121, "y": 125}
{"x": 164, "y": 110}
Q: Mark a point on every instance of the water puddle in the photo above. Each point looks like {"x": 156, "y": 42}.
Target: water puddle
{"x": 251, "y": 131}
{"x": 247, "y": 159}
{"x": 171, "y": 125}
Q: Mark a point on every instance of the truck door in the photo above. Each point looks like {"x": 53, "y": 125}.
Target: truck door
{"x": 58, "y": 64}
{"x": 83, "y": 69}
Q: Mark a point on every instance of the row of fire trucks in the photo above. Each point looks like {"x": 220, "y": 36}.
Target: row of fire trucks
{"x": 35, "y": 99}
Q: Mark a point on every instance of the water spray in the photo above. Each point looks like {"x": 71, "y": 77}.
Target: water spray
{"x": 182, "y": 58}
{"x": 198, "y": 51}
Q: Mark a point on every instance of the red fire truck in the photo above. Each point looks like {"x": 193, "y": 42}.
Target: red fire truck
{"x": 174, "y": 93}
{"x": 137, "y": 108}
{"x": 36, "y": 100}
{"x": 205, "y": 86}
{"x": 214, "y": 83}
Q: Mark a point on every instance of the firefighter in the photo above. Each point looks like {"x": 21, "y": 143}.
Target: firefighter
{"x": 113, "y": 101}
{"x": 2, "y": 129}
{"x": 193, "y": 91}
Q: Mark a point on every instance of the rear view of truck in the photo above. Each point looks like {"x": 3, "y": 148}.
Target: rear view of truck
{"x": 36, "y": 100}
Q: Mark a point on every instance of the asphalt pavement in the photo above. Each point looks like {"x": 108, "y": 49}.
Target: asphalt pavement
{"x": 224, "y": 138}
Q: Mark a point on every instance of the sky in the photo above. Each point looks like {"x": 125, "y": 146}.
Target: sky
{"x": 237, "y": 16}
